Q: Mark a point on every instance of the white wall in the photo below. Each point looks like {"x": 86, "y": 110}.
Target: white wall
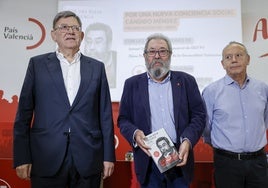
{"x": 14, "y": 55}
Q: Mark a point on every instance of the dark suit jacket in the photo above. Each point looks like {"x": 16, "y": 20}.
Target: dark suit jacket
{"x": 44, "y": 102}
{"x": 189, "y": 114}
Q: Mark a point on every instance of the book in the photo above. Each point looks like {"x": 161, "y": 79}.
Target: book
{"x": 163, "y": 151}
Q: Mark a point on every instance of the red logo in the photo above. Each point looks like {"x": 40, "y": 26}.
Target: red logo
{"x": 4, "y": 184}
{"x": 43, "y": 35}
{"x": 116, "y": 142}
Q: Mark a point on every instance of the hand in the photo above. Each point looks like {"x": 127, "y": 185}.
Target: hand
{"x": 108, "y": 169}
{"x": 139, "y": 138}
{"x": 184, "y": 152}
{"x": 24, "y": 171}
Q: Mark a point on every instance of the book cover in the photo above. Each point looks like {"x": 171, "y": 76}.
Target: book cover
{"x": 163, "y": 151}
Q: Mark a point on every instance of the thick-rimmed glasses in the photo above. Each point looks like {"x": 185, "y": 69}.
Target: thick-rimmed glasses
{"x": 161, "y": 53}
{"x": 66, "y": 28}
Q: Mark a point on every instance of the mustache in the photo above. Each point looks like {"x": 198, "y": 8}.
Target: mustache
{"x": 157, "y": 61}
{"x": 157, "y": 72}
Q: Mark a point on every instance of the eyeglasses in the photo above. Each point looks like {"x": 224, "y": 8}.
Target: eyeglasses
{"x": 161, "y": 53}
{"x": 238, "y": 56}
{"x": 66, "y": 28}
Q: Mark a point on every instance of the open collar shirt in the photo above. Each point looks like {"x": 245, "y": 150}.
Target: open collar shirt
{"x": 237, "y": 117}
{"x": 71, "y": 74}
{"x": 161, "y": 106}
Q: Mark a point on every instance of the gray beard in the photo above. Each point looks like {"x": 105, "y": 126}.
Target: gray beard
{"x": 159, "y": 72}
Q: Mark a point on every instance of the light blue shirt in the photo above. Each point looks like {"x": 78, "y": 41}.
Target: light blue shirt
{"x": 161, "y": 106}
{"x": 237, "y": 117}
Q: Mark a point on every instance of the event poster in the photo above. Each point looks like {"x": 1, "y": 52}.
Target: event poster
{"x": 198, "y": 30}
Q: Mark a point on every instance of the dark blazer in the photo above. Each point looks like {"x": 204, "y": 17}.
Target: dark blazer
{"x": 189, "y": 114}
{"x": 44, "y": 102}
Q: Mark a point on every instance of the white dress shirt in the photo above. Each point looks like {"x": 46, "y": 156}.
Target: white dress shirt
{"x": 71, "y": 74}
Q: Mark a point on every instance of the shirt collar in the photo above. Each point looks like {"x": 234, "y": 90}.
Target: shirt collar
{"x": 229, "y": 80}
{"x": 61, "y": 57}
{"x": 162, "y": 82}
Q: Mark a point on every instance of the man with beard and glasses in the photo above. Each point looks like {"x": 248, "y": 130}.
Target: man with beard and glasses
{"x": 98, "y": 45}
{"x": 161, "y": 98}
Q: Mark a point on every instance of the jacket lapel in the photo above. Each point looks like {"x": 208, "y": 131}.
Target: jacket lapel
{"x": 176, "y": 93}
{"x": 144, "y": 99}
{"x": 86, "y": 73}
{"x": 55, "y": 71}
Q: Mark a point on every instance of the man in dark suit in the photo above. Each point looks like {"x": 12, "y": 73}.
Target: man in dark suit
{"x": 63, "y": 131}
{"x": 156, "y": 99}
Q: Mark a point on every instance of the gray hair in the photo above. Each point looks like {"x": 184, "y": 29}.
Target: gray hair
{"x": 66, "y": 14}
{"x": 103, "y": 27}
{"x": 234, "y": 43}
{"x": 158, "y": 36}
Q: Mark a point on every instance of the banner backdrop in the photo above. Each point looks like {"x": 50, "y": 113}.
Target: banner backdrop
{"x": 255, "y": 36}
{"x": 199, "y": 31}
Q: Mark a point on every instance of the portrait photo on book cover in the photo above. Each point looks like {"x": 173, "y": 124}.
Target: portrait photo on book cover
{"x": 162, "y": 149}
{"x": 169, "y": 153}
